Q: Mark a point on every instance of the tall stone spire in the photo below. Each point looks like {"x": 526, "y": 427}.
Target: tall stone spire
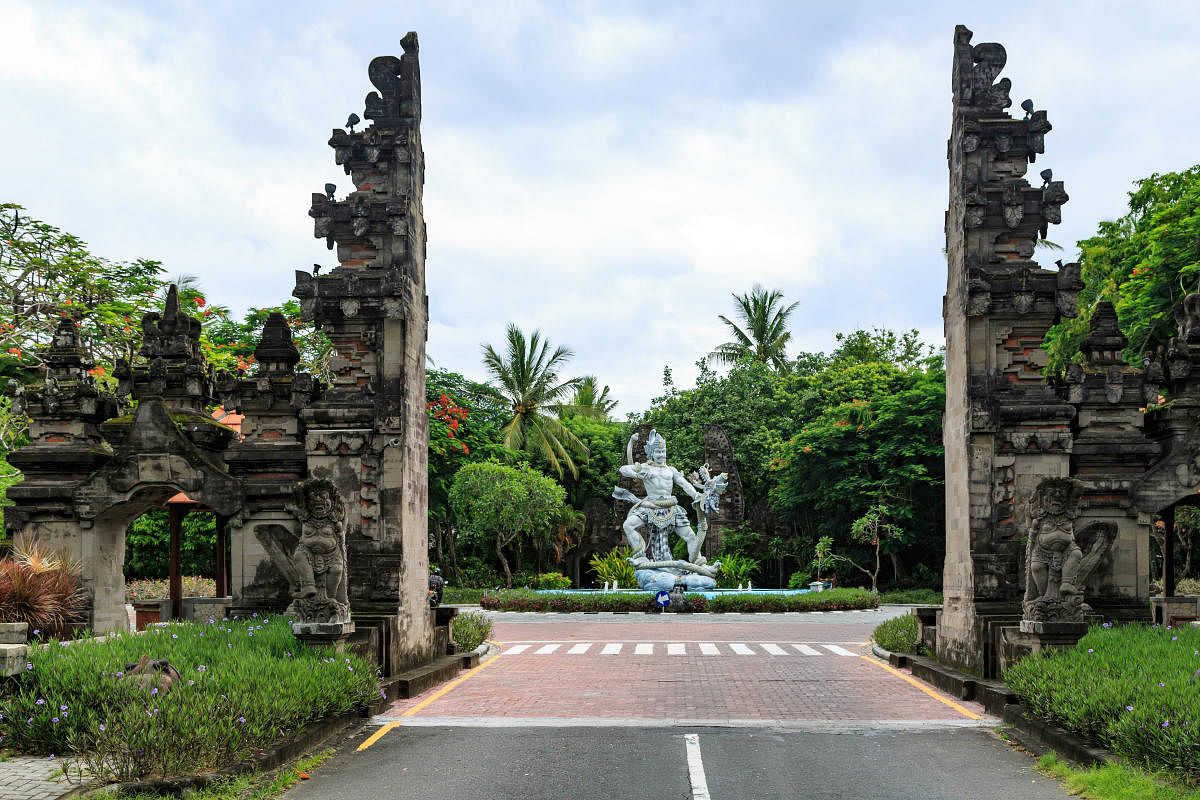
{"x": 368, "y": 432}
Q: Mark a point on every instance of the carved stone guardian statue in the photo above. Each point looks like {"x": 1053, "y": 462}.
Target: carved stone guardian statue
{"x": 320, "y": 556}
{"x": 1058, "y": 558}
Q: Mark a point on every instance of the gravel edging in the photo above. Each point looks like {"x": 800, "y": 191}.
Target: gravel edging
{"x": 310, "y": 737}
{"x": 1032, "y": 732}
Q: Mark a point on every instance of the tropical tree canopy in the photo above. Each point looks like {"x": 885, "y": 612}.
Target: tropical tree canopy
{"x": 527, "y": 374}
{"x": 763, "y": 333}
{"x": 1144, "y": 263}
{"x": 590, "y": 400}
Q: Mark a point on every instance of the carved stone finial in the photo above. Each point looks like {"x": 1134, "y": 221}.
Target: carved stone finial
{"x": 1187, "y": 315}
{"x": 276, "y": 352}
{"x": 173, "y": 335}
{"x": 976, "y": 68}
{"x": 1105, "y": 344}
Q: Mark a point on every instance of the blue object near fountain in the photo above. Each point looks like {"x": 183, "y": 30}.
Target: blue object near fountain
{"x": 663, "y": 599}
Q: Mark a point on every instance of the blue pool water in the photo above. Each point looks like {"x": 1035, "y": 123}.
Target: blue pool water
{"x": 710, "y": 595}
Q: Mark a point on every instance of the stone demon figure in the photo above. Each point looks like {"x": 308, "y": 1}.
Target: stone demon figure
{"x": 1059, "y": 559}
{"x": 320, "y": 556}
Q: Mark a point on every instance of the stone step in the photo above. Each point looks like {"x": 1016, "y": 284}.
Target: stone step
{"x": 415, "y": 681}
{"x": 441, "y": 640}
{"x": 442, "y": 615}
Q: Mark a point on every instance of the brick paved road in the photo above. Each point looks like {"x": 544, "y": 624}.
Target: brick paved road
{"x": 792, "y": 670}
{"x": 603, "y": 706}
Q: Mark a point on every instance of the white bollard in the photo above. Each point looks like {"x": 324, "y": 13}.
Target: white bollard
{"x": 749, "y": 586}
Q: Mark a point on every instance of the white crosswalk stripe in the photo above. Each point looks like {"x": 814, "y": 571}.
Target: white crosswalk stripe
{"x": 679, "y": 649}
{"x": 841, "y": 651}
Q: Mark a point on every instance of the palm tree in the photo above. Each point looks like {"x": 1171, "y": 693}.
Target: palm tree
{"x": 765, "y": 335}
{"x": 528, "y": 378}
{"x": 590, "y": 400}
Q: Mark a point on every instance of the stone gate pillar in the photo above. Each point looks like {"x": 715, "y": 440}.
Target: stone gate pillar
{"x": 369, "y": 432}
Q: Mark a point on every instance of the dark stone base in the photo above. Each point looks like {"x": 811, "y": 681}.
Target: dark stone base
{"x": 323, "y": 634}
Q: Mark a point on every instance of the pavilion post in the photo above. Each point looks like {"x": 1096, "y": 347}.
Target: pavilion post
{"x": 176, "y": 513}
{"x": 1168, "y": 518}
{"x": 222, "y": 544}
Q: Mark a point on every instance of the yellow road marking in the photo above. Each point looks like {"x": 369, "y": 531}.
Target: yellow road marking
{"x": 379, "y": 734}
{"x": 922, "y": 687}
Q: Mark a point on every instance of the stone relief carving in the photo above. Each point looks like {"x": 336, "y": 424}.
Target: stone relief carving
{"x": 1059, "y": 558}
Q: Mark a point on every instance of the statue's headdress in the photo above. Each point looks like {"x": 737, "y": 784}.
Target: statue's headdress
{"x": 656, "y": 446}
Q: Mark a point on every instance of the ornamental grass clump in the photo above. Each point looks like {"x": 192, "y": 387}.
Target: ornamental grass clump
{"x": 469, "y": 630}
{"x": 244, "y": 684}
{"x": 41, "y": 587}
{"x": 1127, "y": 689}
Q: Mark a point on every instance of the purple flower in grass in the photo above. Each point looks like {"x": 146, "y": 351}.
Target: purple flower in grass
{"x": 1129, "y": 708}
{"x": 1090, "y": 650}
{"x": 29, "y": 666}
{"x": 1160, "y": 683}
{"x": 102, "y": 726}
{"x": 54, "y": 720}
{"x": 1166, "y": 723}
{"x": 40, "y": 702}
{"x": 174, "y": 635}
{"x": 242, "y": 720}
{"x": 62, "y": 708}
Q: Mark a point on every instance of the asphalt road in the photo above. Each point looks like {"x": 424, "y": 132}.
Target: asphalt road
{"x": 761, "y": 707}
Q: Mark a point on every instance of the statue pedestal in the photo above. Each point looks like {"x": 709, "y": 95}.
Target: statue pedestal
{"x": 323, "y": 634}
{"x": 1033, "y": 636}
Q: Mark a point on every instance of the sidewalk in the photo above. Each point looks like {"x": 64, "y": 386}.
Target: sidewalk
{"x": 28, "y": 778}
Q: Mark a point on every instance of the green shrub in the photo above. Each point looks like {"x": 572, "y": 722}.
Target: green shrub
{"x": 160, "y": 588}
{"x": 552, "y": 580}
{"x": 735, "y": 570}
{"x": 147, "y": 545}
{"x": 832, "y": 600}
{"x": 475, "y": 573}
{"x": 612, "y": 566}
{"x": 799, "y": 580}
{"x": 1127, "y": 689}
{"x": 528, "y": 600}
{"x": 922, "y": 597}
{"x": 244, "y": 684}
{"x": 458, "y": 595}
{"x": 469, "y": 630}
{"x": 898, "y": 635}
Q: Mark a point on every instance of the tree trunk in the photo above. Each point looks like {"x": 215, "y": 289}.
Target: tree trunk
{"x": 438, "y": 530}
{"x": 898, "y": 567}
{"x": 452, "y": 549}
{"x": 503, "y": 563}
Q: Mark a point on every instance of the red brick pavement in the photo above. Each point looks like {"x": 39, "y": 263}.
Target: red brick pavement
{"x": 689, "y": 687}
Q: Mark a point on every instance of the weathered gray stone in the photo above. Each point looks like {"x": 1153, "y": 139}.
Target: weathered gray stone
{"x": 13, "y": 658}
{"x": 14, "y": 632}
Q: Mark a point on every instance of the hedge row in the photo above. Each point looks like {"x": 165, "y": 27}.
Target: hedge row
{"x": 526, "y": 600}
{"x": 1128, "y": 689}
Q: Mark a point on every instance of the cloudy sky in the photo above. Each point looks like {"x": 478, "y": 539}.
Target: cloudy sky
{"x": 608, "y": 172}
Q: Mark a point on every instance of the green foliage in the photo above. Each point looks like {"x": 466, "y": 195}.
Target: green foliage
{"x": 882, "y": 346}
{"x": 459, "y": 595}
{"x": 614, "y": 566}
{"x": 799, "y": 580}
{"x": 528, "y": 378}
{"x": 233, "y": 341}
{"x": 500, "y": 504}
{"x": 590, "y": 400}
{"x": 148, "y": 545}
{"x": 912, "y": 597}
{"x": 735, "y": 570}
{"x": 469, "y": 629}
{"x": 1127, "y": 689}
{"x": 898, "y": 634}
{"x": 552, "y": 580}
{"x": 832, "y": 600}
{"x": 244, "y": 684}
{"x": 529, "y": 600}
{"x": 49, "y": 600}
{"x": 1114, "y": 781}
{"x": 765, "y": 335}
{"x": 1144, "y": 262}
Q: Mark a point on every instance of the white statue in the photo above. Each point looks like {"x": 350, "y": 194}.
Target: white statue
{"x": 660, "y": 513}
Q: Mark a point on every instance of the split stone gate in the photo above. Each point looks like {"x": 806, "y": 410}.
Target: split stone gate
{"x": 1118, "y": 459}
{"x": 91, "y": 467}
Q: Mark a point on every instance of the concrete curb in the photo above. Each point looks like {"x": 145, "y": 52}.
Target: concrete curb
{"x": 310, "y": 737}
{"x": 1032, "y": 732}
